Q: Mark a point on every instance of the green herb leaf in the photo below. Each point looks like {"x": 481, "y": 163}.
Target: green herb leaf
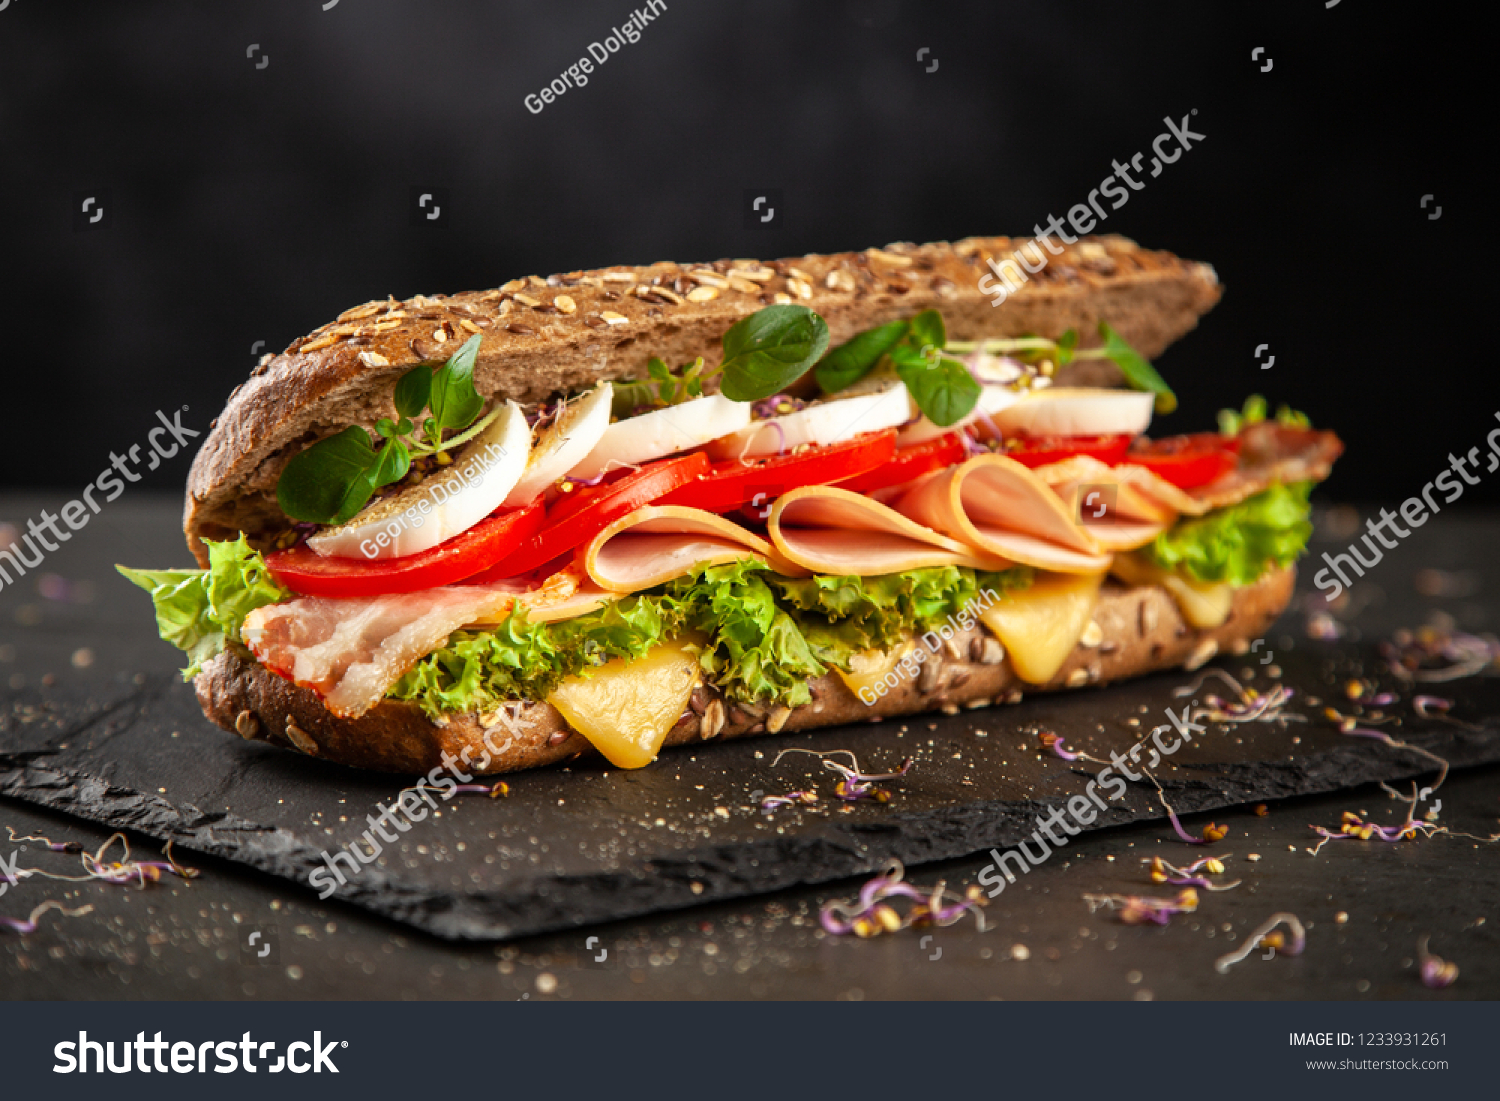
{"x": 391, "y": 464}
{"x": 413, "y": 391}
{"x": 454, "y": 402}
{"x": 330, "y": 481}
{"x": 1137, "y": 371}
{"x": 1066, "y": 345}
{"x": 854, "y": 359}
{"x": 769, "y": 350}
{"x": 927, "y": 329}
{"x": 943, "y": 389}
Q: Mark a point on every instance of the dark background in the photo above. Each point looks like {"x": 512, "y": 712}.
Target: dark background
{"x": 250, "y": 204}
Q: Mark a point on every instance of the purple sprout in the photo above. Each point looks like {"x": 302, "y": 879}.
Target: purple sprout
{"x": 871, "y": 915}
{"x": 1436, "y": 972}
{"x": 28, "y": 925}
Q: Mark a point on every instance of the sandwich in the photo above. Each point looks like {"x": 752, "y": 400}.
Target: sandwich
{"x": 607, "y": 512}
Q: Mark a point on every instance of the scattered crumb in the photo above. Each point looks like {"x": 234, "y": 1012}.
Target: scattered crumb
{"x": 1020, "y": 952}
{"x": 1341, "y": 917}
{"x": 1252, "y": 857}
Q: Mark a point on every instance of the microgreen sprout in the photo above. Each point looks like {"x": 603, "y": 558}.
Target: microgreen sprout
{"x": 772, "y": 803}
{"x": 854, "y": 784}
{"x": 125, "y": 870}
{"x": 1141, "y": 909}
{"x": 494, "y": 791}
{"x": 872, "y": 915}
{"x": 1264, "y": 937}
{"x": 1412, "y": 655}
{"x": 329, "y": 482}
{"x": 1135, "y": 368}
{"x": 1436, "y": 972}
{"x": 1058, "y": 747}
{"x": 1194, "y": 875}
{"x": 73, "y": 848}
{"x": 29, "y": 924}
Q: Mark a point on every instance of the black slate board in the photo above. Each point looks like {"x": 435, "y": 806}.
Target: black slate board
{"x": 585, "y": 843}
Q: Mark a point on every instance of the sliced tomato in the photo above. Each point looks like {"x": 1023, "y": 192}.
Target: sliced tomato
{"x": 911, "y": 462}
{"x": 1034, "y": 451}
{"x": 584, "y": 513}
{"x": 304, "y": 571}
{"x": 756, "y": 482}
{"x": 1188, "y": 461}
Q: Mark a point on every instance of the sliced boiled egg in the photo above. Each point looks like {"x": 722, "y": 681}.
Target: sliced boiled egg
{"x": 820, "y": 424}
{"x": 575, "y": 432}
{"x": 663, "y": 432}
{"x": 448, "y": 502}
{"x": 1077, "y": 411}
{"x": 1000, "y": 379}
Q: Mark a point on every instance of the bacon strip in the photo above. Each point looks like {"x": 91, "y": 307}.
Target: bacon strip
{"x": 1271, "y": 452}
{"x": 351, "y": 651}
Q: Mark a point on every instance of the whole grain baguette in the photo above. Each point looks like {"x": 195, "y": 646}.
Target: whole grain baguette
{"x": 1140, "y": 631}
{"x": 543, "y": 336}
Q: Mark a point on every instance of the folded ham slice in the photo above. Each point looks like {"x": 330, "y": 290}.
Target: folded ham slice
{"x": 833, "y": 531}
{"x": 998, "y": 506}
{"x": 658, "y": 543}
{"x": 1127, "y": 515}
{"x": 351, "y": 651}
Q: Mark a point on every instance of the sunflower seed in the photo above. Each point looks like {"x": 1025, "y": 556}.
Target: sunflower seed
{"x": 613, "y": 318}
{"x": 839, "y": 280}
{"x": 891, "y": 259}
{"x": 619, "y": 277}
{"x": 299, "y": 738}
{"x": 702, "y": 294}
{"x": 713, "y": 720}
{"x": 373, "y": 359}
{"x": 757, "y": 274}
{"x": 799, "y": 287}
{"x": 564, "y": 303}
{"x": 527, "y": 300}
{"x": 318, "y": 344}
{"x": 710, "y": 278}
{"x": 1201, "y": 654}
{"x": 247, "y": 725}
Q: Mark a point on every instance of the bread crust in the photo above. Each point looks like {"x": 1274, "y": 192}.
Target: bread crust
{"x": 1141, "y": 628}
{"x": 542, "y": 336}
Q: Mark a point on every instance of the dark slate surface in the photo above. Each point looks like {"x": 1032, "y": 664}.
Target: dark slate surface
{"x": 575, "y": 846}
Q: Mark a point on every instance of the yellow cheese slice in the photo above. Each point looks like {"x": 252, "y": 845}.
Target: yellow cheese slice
{"x": 868, "y": 668}
{"x": 1040, "y": 625}
{"x": 1203, "y": 604}
{"x": 625, "y": 708}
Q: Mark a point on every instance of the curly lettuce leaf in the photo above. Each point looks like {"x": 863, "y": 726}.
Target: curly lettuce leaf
{"x": 842, "y": 616}
{"x": 755, "y": 650}
{"x": 1239, "y": 543}
{"x": 199, "y": 611}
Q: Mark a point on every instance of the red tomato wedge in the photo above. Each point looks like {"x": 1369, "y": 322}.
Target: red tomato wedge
{"x": 1188, "y": 461}
{"x": 1034, "y": 451}
{"x": 584, "y": 513}
{"x": 911, "y": 462}
{"x": 304, "y": 571}
{"x": 734, "y": 483}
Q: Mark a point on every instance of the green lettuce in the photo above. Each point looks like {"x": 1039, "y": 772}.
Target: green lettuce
{"x": 199, "y": 611}
{"x": 764, "y": 635}
{"x": 1239, "y": 543}
{"x": 842, "y": 616}
{"x": 519, "y": 659}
